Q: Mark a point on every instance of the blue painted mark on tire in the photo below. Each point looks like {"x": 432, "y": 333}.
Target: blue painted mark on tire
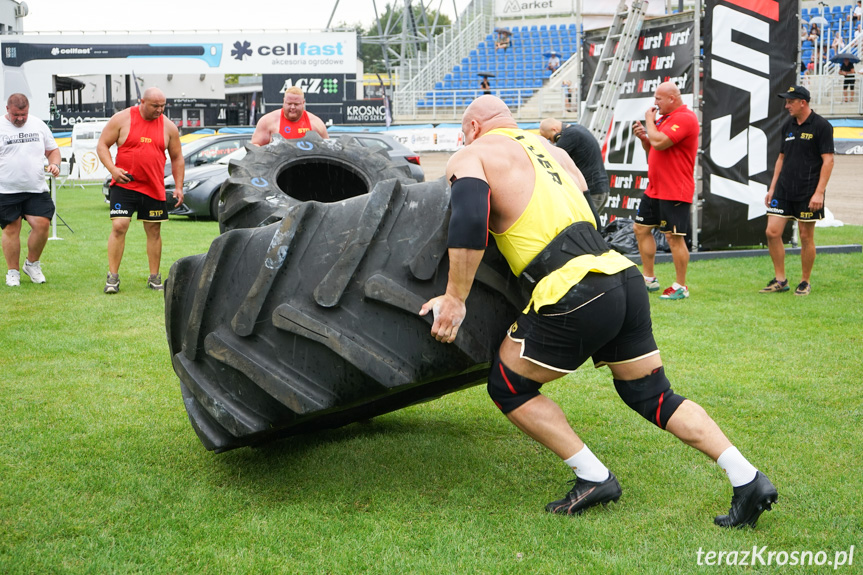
{"x": 305, "y": 145}
{"x": 260, "y": 182}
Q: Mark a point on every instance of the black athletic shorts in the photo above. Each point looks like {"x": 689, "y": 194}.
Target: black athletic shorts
{"x": 603, "y": 317}
{"x": 125, "y": 202}
{"x": 670, "y": 217}
{"x": 797, "y": 210}
{"x": 14, "y": 206}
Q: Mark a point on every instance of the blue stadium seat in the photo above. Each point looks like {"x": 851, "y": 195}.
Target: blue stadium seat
{"x": 805, "y": 13}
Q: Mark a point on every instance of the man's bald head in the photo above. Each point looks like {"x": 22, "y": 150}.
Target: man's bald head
{"x": 667, "y": 97}
{"x": 484, "y": 114}
{"x": 549, "y": 127}
{"x": 153, "y": 93}
{"x": 152, "y": 103}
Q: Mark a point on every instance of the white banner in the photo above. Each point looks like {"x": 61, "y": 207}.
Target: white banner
{"x": 87, "y": 165}
{"x": 519, "y": 8}
{"x": 229, "y": 53}
{"x": 429, "y": 139}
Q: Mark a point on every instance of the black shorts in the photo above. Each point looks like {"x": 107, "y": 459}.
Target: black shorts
{"x": 14, "y": 206}
{"x": 603, "y": 317}
{"x": 670, "y": 217}
{"x": 849, "y": 83}
{"x": 797, "y": 210}
{"x": 125, "y": 202}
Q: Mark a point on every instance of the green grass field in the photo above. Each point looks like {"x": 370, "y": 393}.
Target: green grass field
{"x": 100, "y": 471}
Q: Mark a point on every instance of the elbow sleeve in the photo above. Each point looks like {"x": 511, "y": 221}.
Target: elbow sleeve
{"x": 470, "y": 203}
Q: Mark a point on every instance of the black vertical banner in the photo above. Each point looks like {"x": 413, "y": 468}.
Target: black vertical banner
{"x": 750, "y": 49}
{"x": 663, "y": 53}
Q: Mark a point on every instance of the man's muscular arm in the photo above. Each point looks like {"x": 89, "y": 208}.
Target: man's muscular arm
{"x": 110, "y": 136}
{"x": 263, "y": 129}
{"x": 450, "y": 309}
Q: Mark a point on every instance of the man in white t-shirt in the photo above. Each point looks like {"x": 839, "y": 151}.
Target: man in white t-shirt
{"x": 25, "y": 142}
{"x": 856, "y": 15}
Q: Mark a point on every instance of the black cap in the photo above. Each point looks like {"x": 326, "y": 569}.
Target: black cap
{"x": 795, "y": 93}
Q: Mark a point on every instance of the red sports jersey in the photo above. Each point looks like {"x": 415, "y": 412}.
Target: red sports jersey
{"x": 290, "y": 130}
{"x": 143, "y": 155}
{"x": 671, "y": 171}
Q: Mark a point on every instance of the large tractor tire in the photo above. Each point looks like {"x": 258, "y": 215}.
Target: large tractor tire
{"x": 312, "y": 322}
{"x": 271, "y": 179}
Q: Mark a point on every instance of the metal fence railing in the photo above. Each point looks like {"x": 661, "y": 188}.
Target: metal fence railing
{"x": 526, "y": 105}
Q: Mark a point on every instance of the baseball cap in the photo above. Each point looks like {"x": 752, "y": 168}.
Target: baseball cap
{"x": 795, "y": 93}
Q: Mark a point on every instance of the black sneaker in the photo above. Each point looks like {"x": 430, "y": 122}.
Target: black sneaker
{"x": 774, "y": 286}
{"x": 749, "y": 502}
{"x": 155, "y": 282}
{"x": 586, "y": 494}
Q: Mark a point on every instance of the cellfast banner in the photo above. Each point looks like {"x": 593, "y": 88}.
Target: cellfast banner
{"x": 750, "y": 55}
{"x": 30, "y": 61}
{"x": 663, "y": 53}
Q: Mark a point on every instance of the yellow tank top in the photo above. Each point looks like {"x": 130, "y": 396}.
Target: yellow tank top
{"x": 556, "y": 203}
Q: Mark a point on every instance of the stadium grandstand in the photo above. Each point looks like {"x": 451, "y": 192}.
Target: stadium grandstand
{"x": 438, "y": 83}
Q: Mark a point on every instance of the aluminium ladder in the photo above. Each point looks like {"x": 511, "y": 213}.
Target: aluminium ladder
{"x": 611, "y": 68}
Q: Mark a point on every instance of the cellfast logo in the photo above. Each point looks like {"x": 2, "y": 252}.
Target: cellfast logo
{"x": 245, "y": 48}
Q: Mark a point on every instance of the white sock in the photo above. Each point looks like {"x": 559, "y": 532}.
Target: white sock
{"x": 676, "y": 285}
{"x": 739, "y": 470}
{"x": 586, "y": 465}
{"x": 650, "y": 278}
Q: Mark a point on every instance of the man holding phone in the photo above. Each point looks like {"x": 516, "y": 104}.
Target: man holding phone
{"x": 138, "y": 179}
{"x": 671, "y": 143}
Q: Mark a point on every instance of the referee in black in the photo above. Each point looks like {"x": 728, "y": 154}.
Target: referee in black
{"x": 799, "y": 182}
{"x": 584, "y": 150}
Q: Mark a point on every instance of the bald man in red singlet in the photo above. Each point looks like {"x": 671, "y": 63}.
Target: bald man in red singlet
{"x": 292, "y": 121}
{"x": 138, "y": 179}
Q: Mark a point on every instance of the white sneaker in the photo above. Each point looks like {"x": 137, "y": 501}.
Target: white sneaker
{"x": 13, "y": 278}
{"x": 34, "y": 270}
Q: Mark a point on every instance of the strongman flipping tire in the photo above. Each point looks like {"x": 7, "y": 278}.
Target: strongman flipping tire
{"x": 585, "y": 301}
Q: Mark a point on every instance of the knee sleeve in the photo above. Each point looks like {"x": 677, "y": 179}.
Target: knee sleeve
{"x": 508, "y": 389}
{"x": 650, "y": 396}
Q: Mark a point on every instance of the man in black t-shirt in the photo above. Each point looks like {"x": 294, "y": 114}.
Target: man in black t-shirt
{"x": 584, "y": 150}
{"x": 847, "y": 70}
{"x": 799, "y": 182}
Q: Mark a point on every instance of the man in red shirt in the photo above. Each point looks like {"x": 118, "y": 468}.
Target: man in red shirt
{"x": 292, "y": 121}
{"x": 142, "y": 135}
{"x": 671, "y": 143}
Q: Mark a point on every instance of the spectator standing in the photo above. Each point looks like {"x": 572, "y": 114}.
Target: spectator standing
{"x": 142, "y": 136}
{"x": 846, "y": 69}
{"x": 799, "y": 184}
{"x": 671, "y": 143}
{"x": 25, "y": 143}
